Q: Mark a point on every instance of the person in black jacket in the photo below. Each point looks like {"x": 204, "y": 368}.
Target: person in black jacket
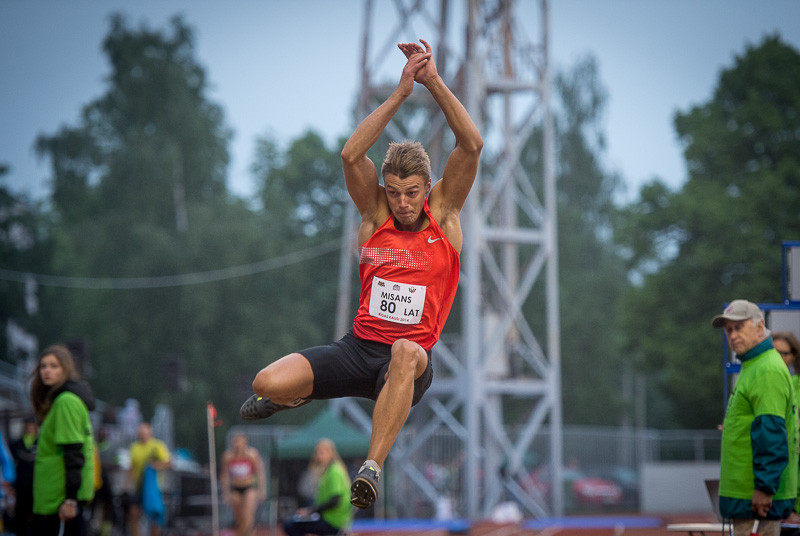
{"x": 23, "y": 450}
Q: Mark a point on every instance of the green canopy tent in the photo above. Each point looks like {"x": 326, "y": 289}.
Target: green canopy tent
{"x": 349, "y": 441}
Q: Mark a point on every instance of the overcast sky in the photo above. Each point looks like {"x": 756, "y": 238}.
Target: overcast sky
{"x": 285, "y": 67}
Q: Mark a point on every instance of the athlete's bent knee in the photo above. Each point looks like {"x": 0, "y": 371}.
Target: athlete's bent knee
{"x": 263, "y": 383}
{"x": 408, "y": 354}
{"x": 405, "y": 349}
{"x": 285, "y": 380}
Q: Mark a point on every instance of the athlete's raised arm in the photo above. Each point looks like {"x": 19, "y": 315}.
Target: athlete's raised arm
{"x": 462, "y": 165}
{"x": 359, "y": 171}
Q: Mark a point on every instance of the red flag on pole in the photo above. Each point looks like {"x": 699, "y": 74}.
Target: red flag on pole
{"x": 212, "y": 421}
{"x": 212, "y": 415}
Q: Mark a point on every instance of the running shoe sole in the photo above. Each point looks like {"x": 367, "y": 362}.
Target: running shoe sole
{"x": 362, "y": 493}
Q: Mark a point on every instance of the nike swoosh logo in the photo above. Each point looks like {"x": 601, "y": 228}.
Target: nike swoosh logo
{"x": 431, "y": 240}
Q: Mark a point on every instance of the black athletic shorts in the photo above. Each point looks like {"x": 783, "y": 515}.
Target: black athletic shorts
{"x": 356, "y": 367}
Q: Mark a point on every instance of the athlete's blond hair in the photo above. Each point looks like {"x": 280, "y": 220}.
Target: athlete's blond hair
{"x": 406, "y": 158}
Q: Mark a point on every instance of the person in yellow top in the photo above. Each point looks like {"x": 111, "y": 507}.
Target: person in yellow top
{"x": 146, "y": 450}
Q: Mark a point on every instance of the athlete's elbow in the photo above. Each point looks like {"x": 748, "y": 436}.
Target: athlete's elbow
{"x": 472, "y": 145}
{"x": 350, "y": 157}
{"x": 478, "y": 145}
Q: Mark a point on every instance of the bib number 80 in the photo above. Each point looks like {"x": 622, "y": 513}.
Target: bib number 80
{"x": 397, "y": 302}
{"x": 388, "y": 307}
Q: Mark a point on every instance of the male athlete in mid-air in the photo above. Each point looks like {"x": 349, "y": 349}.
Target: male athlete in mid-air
{"x": 409, "y": 243}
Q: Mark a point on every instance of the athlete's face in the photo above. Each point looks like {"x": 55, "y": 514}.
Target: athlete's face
{"x": 743, "y": 334}
{"x": 51, "y": 371}
{"x": 406, "y": 198}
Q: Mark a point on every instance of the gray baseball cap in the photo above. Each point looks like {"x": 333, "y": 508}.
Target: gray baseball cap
{"x": 738, "y": 310}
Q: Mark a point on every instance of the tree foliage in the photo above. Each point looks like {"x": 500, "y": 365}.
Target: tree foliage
{"x": 302, "y": 188}
{"x": 139, "y": 206}
{"x": 22, "y": 246}
{"x": 139, "y": 192}
{"x": 304, "y": 197}
{"x": 590, "y": 271}
{"x": 719, "y": 237}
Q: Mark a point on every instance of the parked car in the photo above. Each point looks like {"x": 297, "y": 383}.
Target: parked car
{"x": 580, "y": 489}
{"x": 627, "y": 479}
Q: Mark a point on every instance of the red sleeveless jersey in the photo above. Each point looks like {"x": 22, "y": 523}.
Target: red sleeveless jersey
{"x": 408, "y": 282}
{"x": 241, "y": 468}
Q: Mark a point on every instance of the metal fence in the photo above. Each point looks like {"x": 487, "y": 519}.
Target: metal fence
{"x": 435, "y": 487}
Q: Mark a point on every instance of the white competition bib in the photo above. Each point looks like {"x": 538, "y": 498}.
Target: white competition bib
{"x": 396, "y": 302}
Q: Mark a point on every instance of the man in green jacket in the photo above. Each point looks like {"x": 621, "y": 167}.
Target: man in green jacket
{"x": 758, "y": 472}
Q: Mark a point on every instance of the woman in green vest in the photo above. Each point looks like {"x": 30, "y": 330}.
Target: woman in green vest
{"x": 63, "y": 472}
{"x": 331, "y": 509}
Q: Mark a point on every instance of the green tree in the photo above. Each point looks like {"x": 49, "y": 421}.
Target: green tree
{"x": 304, "y": 199}
{"x": 591, "y": 272}
{"x": 591, "y": 275}
{"x": 138, "y": 196}
{"x": 21, "y": 247}
{"x": 717, "y": 238}
{"x": 302, "y": 190}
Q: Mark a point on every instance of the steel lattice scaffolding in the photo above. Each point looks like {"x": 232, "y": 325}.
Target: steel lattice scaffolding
{"x": 497, "y": 375}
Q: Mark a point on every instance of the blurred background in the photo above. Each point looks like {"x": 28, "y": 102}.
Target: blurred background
{"x": 172, "y": 207}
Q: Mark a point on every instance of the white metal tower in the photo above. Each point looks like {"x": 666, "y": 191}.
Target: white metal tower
{"x": 497, "y": 380}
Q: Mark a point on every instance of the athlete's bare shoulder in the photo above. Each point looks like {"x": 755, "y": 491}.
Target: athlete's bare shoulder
{"x": 371, "y": 221}
{"x": 448, "y": 217}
